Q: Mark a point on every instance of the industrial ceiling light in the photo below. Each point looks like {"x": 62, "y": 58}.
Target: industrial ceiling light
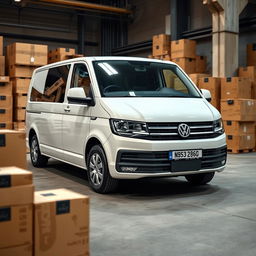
{"x": 17, "y": 1}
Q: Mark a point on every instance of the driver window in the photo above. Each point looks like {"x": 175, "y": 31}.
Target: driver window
{"x": 80, "y": 78}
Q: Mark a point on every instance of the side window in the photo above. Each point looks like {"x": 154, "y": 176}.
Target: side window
{"x": 80, "y": 78}
{"x": 173, "y": 81}
{"x": 54, "y": 87}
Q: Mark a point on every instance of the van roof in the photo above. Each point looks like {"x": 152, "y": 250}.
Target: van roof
{"x": 95, "y": 58}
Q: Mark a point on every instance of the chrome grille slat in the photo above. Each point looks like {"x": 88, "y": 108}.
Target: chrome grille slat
{"x": 199, "y": 127}
{"x": 163, "y": 127}
{"x": 196, "y": 133}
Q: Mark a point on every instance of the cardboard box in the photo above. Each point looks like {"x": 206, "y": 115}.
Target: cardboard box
{"x": 28, "y": 54}
{"x": 5, "y": 88}
{"x": 4, "y": 79}
{"x": 195, "y": 78}
{"x": 238, "y": 128}
{"x": 187, "y": 64}
{"x": 236, "y": 88}
{"x": 2, "y": 65}
{"x": 161, "y": 45}
{"x": 240, "y": 142}
{"x": 253, "y": 90}
{"x": 201, "y": 63}
{"x": 5, "y": 101}
{"x": 1, "y": 45}
{"x": 249, "y": 72}
{"x": 238, "y": 110}
{"x": 183, "y": 48}
{"x": 19, "y": 125}
{"x": 21, "y": 71}
{"x": 13, "y": 148}
{"x": 60, "y": 54}
{"x": 20, "y": 100}
{"x": 213, "y": 85}
{"x": 6, "y": 126}
{"x": 20, "y": 85}
{"x": 13, "y": 176}
{"x": 5, "y": 115}
{"x": 19, "y": 114}
{"x": 61, "y": 224}
{"x": 22, "y": 250}
{"x": 251, "y": 54}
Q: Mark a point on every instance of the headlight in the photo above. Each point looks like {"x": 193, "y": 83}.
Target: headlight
{"x": 218, "y": 126}
{"x": 128, "y": 128}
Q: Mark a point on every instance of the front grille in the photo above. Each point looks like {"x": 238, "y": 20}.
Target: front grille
{"x": 169, "y": 131}
{"x": 158, "y": 161}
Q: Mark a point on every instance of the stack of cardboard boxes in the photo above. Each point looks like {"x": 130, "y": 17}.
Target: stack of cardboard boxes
{"x": 5, "y": 94}
{"x": 238, "y": 111}
{"x": 22, "y": 59}
{"x": 44, "y": 223}
{"x": 60, "y": 54}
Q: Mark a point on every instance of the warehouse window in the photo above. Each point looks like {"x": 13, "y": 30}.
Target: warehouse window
{"x": 55, "y": 85}
{"x": 80, "y": 78}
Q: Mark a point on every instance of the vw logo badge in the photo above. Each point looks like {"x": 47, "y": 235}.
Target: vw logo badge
{"x": 183, "y": 130}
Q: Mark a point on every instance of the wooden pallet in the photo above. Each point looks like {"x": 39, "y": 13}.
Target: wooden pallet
{"x": 238, "y": 151}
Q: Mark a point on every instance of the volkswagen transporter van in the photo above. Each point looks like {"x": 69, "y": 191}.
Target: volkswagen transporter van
{"x": 124, "y": 118}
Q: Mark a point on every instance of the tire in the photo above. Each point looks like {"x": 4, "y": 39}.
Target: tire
{"x": 200, "y": 179}
{"x": 37, "y": 159}
{"x": 98, "y": 173}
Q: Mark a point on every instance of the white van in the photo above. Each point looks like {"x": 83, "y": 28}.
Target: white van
{"x": 124, "y": 118}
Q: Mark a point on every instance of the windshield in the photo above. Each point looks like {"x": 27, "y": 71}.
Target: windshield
{"x": 124, "y": 78}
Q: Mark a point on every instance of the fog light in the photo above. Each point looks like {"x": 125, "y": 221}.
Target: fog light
{"x": 129, "y": 169}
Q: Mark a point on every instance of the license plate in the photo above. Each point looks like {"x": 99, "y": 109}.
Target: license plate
{"x": 185, "y": 154}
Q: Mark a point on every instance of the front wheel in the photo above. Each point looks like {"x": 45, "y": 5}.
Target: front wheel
{"x": 98, "y": 173}
{"x": 200, "y": 179}
{"x": 37, "y": 159}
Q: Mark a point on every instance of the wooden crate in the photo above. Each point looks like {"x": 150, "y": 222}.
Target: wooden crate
{"x": 240, "y": 143}
{"x": 20, "y": 100}
{"x": 20, "y": 85}
{"x": 19, "y": 114}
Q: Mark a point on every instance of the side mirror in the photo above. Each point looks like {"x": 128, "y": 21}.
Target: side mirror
{"x": 206, "y": 94}
{"x": 77, "y": 95}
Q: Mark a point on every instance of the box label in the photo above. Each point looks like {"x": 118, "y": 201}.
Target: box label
{"x": 2, "y": 140}
{"x": 5, "y": 181}
{"x": 62, "y": 207}
{"x": 5, "y": 214}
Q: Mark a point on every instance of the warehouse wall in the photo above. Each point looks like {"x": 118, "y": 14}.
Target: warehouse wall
{"x": 61, "y": 24}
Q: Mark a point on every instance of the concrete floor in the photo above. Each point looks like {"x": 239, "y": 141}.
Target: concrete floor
{"x": 162, "y": 217}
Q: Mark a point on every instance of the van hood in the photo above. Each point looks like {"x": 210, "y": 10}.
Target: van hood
{"x": 160, "y": 109}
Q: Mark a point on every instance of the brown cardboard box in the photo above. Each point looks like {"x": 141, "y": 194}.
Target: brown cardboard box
{"x": 195, "y": 78}
{"x": 240, "y": 142}
{"x": 5, "y": 101}
{"x": 201, "y": 62}
{"x": 21, "y": 71}
{"x": 238, "y": 128}
{"x": 28, "y": 54}
{"x": 19, "y": 114}
{"x": 187, "y": 64}
{"x": 61, "y": 223}
{"x": 161, "y": 45}
{"x": 20, "y": 100}
{"x": 213, "y": 85}
{"x": 13, "y": 176}
{"x": 183, "y": 48}
{"x": 19, "y": 125}
{"x": 238, "y": 110}
{"x": 1, "y": 46}
{"x": 2, "y": 65}
{"x": 60, "y": 54}
{"x": 4, "y": 79}
{"x": 22, "y": 250}
{"x": 20, "y": 85}
{"x": 6, "y": 125}
{"x": 247, "y": 72}
{"x": 6, "y": 115}
{"x": 5, "y": 88}
{"x": 254, "y": 90}
{"x": 13, "y": 148}
{"x": 251, "y": 54}
{"x": 236, "y": 88}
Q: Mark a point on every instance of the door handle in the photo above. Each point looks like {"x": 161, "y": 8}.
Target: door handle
{"x": 67, "y": 109}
